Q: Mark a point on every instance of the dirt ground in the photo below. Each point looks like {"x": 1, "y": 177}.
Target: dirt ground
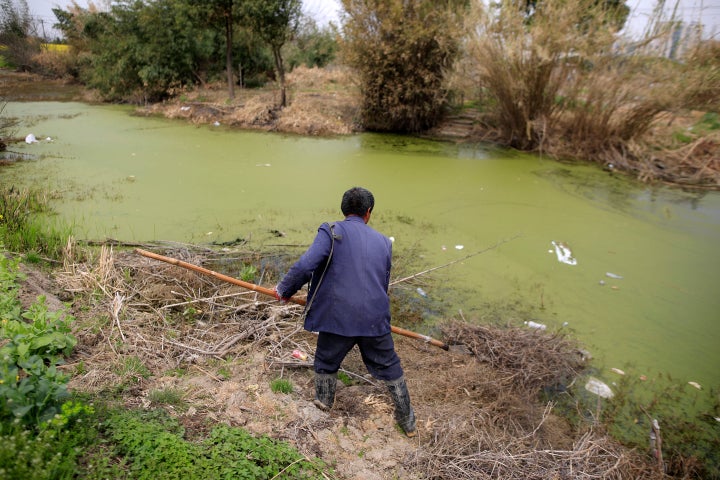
{"x": 477, "y": 405}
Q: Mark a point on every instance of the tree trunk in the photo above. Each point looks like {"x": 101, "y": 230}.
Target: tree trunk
{"x": 228, "y": 52}
{"x": 281, "y": 74}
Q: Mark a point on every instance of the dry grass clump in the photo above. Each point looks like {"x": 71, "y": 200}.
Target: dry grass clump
{"x": 164, "y": 314}
{"x": 525, "y": 358}
{"x": 489, "y": 454}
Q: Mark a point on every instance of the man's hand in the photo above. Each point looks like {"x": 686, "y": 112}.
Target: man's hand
{"x": 278, "y": 297}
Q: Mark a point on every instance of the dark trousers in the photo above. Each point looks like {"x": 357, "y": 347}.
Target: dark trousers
{"x": 378, "y": 354}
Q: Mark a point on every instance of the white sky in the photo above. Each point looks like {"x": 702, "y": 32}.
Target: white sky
{"x": 706, "y": 12}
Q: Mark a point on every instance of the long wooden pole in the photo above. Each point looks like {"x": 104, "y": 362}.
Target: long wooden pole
{"x": 270, "y": 292}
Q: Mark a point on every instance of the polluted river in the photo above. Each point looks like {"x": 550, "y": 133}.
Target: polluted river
{"x": 631, "y": 270}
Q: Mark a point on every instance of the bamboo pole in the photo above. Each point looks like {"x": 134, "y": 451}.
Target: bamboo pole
{"x": 270, "y": 292}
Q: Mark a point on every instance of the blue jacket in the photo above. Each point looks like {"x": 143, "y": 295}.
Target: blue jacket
{"x": 351, "y": 299}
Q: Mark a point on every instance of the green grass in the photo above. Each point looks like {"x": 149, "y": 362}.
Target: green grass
{"x": 281, "y": 385}
{"x": 25, "y": 225}
{"x": 168, "y": 396}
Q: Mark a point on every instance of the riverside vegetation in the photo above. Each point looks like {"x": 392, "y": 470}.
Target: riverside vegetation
{"x": 146, "y": 370}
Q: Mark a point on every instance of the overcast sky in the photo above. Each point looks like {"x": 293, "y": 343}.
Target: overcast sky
{"x": 706, "y": 12}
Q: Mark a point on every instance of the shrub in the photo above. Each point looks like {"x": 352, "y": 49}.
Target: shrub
{"x": 401, "y": 51}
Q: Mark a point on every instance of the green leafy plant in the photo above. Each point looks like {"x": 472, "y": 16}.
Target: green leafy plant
{"x": 248, "y": 273}
{"x": 345, "y": 378}
{"x": 281, "y": 385}
{"x": 32, "y": 390}
{"x": 47, "y": 334}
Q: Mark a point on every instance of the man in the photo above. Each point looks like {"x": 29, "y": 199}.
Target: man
{"x": 348, "y": 266}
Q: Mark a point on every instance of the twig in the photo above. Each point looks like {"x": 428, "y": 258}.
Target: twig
{"x": 115, "y": 308}
{"x": 206, "y": 299}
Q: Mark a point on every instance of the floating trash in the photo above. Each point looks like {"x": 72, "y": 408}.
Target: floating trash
{"x": 443, "y": 248}
{"x": 564, "y": 255}
{"x": 48, "y": 139}
{"x": 31, "y": 138}
{"x": 695, "y": 384}
{"x": 392, "y": 239}
{"x": 299, "y": 354}
{"x": 613, "y": 275}
{"x": 459, "y": 247}
{"x": 598, "y": 388}
{"x": 217, "y": 124}
{"x": 539, "y": 326}
{"x": 263, "y": 165}
{"x": 602, "y": 282}
{"x": 618, "y": 371}
{"x": 421, "y": 292}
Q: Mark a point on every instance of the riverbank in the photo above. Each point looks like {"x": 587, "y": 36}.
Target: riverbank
{"x": 681, "y": 149}
{"x": 219, "y": 349}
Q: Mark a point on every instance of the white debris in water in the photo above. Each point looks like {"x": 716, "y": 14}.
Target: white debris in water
{"x": 695, "y": 384}
{"x": 618, "y": 371}
{"x": 539, "y": 326}
{"x": 613, "y": 275}
{"x": 209, "y": 233}
{"x": 421, "y": 292}
{"x": 459, "y": 247}
{"x": 598, "y": 388}
{"x": 31, "y": 138}
{"x": 563, "y": 253}
{"x": 263, "y": 165}
{"x": 48, "y": 139}
{"x": 392, "y": 239}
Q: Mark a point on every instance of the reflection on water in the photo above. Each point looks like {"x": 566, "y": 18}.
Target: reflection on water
{"x": 151, "y": 179}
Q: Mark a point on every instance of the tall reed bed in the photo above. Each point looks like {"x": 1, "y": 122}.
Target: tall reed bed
{"x": 562, "y": 80}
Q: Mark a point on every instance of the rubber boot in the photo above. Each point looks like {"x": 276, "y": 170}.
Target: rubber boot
{"x": 404, "y": 414}
{"x": 325, "y": 390}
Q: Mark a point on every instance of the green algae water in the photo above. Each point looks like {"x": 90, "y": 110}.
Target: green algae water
{"x": 632, "y": 271}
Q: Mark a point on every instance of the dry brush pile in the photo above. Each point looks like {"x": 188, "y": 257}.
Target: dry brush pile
{"x": 478, "y": 406}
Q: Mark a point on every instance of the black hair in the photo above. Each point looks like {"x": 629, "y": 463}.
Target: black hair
{"x": 357, "y": 201}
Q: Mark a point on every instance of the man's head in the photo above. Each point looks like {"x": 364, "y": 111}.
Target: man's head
{"x": 357, "y": 201}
